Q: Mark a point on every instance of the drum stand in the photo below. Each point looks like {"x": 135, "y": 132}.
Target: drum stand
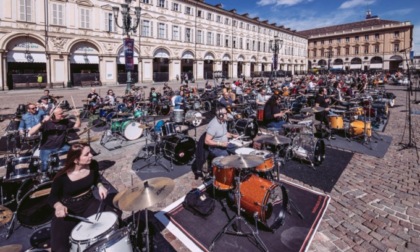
{"x": 235, "y": 223}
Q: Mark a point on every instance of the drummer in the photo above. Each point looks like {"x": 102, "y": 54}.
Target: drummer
{"x": 321, "y": 100}
{"x": 261, "y": 97}
{"x": 31, "y": 118}
{"x": 45, "y": 105}
{"x": 72, "y": 193}
{"x": 110, "y": 98}
{"x": 93, "y": 99}
{"x": 217, "y": 135}
{"x": 275, "y": 115}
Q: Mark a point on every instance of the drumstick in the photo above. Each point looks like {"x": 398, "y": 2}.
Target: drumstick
{"x": 72, "y": 100}
{"x": 52, "y": 110}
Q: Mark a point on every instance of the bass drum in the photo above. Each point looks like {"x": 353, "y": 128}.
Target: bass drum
{"x": 179, "y": 148}
{"x": 131, "y": 130}
{"x": 306, "y": 147}
{"x": 265, "y": 198}
{"x": 247, "y": 127}
{"x": 118, "y": 241}
{"x": 33, "y": 209}
{"x": 163, "y": 109}
{"x": 194, "y": 117}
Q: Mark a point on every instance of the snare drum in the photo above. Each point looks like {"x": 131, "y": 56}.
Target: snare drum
{"x": 358, "y": 127}
{"x": 178, "y": 115}
{"x": 131, "y": 130}
{"x": 21, "y": 168}
{"x": 336, "y": 122}
{"x": 169, "y": 129}
{"x": 263, "y": 197}
{"x": 57, "y": 160}
{"x": 118, "y": 241}
{"x": 85, "y": 234}
{"x": 268, "y": 157}
{"x": 244, "y": 151}
{"x": 223, "y": 176}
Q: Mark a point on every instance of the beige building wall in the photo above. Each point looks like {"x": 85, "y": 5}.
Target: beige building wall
{"x": 77, "y": 32}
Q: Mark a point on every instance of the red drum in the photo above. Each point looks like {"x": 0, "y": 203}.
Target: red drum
{"x": 260, "y": 115}
{"x": 268, "y": 157}
{"x": 223, "y": 176}
{"x": 265, "y": 198}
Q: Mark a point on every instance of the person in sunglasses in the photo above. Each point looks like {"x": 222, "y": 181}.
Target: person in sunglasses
{"x": 32, "y": 117}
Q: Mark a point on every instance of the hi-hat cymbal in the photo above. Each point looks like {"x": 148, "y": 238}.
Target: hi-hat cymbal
{"x": 276, "y": 140}
{"x": 5, "y": 215}
{"x": 312, "y": 110}
{"x": 85, "y": 140}
{"x": 241, "y": 161}
{"x": 151, "y": 192}
{"x": 11, "y": 248}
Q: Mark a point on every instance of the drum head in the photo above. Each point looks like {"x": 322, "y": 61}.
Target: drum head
{"x": 33, "y": 209}
{"x": 86, "y": 231}
{"x": 194, "y": 117}
{"x": 131, "y": 130}
{"x": 180, "y": 148}
{"x": 22, "y": 167}
{"x": 247, "y": 127}
{"x": 41, "y": 238}
{"x": 244, "y": 151}
{"x": 112, "y": 241}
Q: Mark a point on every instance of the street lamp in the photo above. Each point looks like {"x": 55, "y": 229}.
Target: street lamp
{"x": 127, "y": 25}
{"x": 275, "y": 46}
{"x": 329, "y": 54}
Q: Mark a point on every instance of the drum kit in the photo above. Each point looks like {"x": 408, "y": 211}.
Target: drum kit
{"x": 264, "y": 200}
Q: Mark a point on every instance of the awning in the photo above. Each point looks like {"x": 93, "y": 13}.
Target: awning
{"x": 337, "y": 67}
{"x": 32, "y": 57}
{"x": 376, "y": 65}
{"x": 225, "y": 58}
{"x": 187, "y": 55}
{"x": 209, "y": 57}
{"x": 84, "y": 59}
{"x": 356, "y": 66}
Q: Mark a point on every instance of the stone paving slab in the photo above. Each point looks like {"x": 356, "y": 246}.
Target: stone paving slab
{"x": 374, "y": 205}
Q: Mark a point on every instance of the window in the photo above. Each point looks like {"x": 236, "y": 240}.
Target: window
{"x": 347, "y": 39}
{"x": 200, "y": 13}
{"x": 315, "y": 42}
{"x": 247, "y": 27}
{"x": 218, "y": 39}
{"x": 366, "y": 51}
{"x": 175, "y": 33}
{"x": 330, "y": 41}
{"x": 396, "y": 34}
{"x": 84, "y": 18}
{"x": 162, "y": 30}
{"x": 109, "y": 22}
{"x": 226, "y": 40}
{"x": 162, "y": 3}
{"x": 188, "y": 10}
{"x": 396, "y": 47}
{"x": 200, "y": 37}
{"x": 234, "y": 42}
{"x": 356, "y": 38}
{"x": 188, "y": 35}
{"x": 146, "y": 1}
{"x": 259, "y": 46}
{"x": 322, "y": 42}
{"x": 234, "y": 23}
{"x": 209, "y": 38}
{"x": 253, "y": 45}
{"x": 247, "y": 44}
{"x": 146, "y": 28}
{"x": 338, "y": 51}
{"x": 339, "y": 40}
{"x": 314, "y": 53}
{"x": 377, "y": 36}
{"x": 219, "y": 19}
{"x": 58, "y": 14}
{"x": 25, "y": 10}
{"x": 209, "y": 16}
{"x": 176, "y": 7}
{"x": 241, "y": 24}
{"x": 366, "y": 37}
{"x": 356, "y": 50}
{"x": 264, "y": 47}
{"x": 347, "y": 51}
{"x": 376, "y": 48}
{"x": 241, "y": 41}
{"x": 227, "y": 21}
{"x": 253, "y": 28}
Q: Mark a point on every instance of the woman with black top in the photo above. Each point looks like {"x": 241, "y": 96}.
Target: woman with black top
{"x": 71, "y": 193}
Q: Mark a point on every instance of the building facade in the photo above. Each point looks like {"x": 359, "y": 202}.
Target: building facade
{"x": 71, "y": 41}
{"x": 371, "y": 44}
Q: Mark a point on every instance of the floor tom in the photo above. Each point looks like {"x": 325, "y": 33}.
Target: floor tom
{"x": 223, "y": 176}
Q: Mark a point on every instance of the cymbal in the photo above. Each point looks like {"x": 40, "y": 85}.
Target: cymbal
{"x": 312, "y": 110}
{"x": 11, "y": 248}
{"x": 85, "y": 140}
{"x": 5, "y": 153}
{"x": 5, "y": 215}
{"x": 118, "y": 196}
{"x": 241, "y": 161}
{"x": 151, "y": 192}
{"x": 277, "y": 140}
{"x": 145, "y": 126}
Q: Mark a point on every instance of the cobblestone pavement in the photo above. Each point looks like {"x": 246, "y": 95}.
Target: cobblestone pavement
{"x": 375, "y": 205}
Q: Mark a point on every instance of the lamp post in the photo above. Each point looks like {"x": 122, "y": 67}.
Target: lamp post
{"x": 329, "y": 54}
{"x": 128, "y": 26}
{"x": 275, "y": 45}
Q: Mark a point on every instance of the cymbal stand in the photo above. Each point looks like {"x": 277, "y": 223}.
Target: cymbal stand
{"x": 238, "y": 219}
{"x": 157, "y": 156}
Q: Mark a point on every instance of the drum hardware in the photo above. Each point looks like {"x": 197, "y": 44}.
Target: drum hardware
{"x": 304, "y": 147}
{"x": 243, "y": 162}
{"x": 275, "y": 140}
{"x": 363, "y": 129}
{"x": 312, "y": 110}
{"x": 11, "y": 248}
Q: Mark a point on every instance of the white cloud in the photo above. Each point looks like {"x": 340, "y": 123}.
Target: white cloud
{"x": 392, "y": 14}
{"x": 279, "y": 2}
{"x": 416, "y": 39}
{"x": 355, "y": 3}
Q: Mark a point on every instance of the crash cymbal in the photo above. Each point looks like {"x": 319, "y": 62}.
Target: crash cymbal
{"x": 5, "y": 215}
{"x": 85, "y": 140}
{"x": 11, "y": 248}
{"x": 312, "y": 110}
{"x": 241, "y": 161}
{"x": 151, "y": 192}
{"x": 276, "y": 140}
{"x": 118, "y": 196}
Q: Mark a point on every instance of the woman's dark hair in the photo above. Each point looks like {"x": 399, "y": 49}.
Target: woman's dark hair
{"x": 74, "y": 153}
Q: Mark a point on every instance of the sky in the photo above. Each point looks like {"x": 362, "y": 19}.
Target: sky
{"x": 308, "y": 14}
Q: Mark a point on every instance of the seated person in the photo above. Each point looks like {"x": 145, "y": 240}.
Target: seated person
{"x": 31, "y": 118}
{"x": 93, "y": 99}
{"x": 217, "y": 135}
{"x": 153, "y": 96}
{"x": 226, "y": 100}
{"x": 275, "y": 114}
{"x": 47, "y": 95}
{"x": 179, "y": 100}
{"x": 45, "y": 105}
{"x": 110, "y": 98}
{"x": 322, "y": 101}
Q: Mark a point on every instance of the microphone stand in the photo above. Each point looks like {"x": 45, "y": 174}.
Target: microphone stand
{"x": 411, "y": 144}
